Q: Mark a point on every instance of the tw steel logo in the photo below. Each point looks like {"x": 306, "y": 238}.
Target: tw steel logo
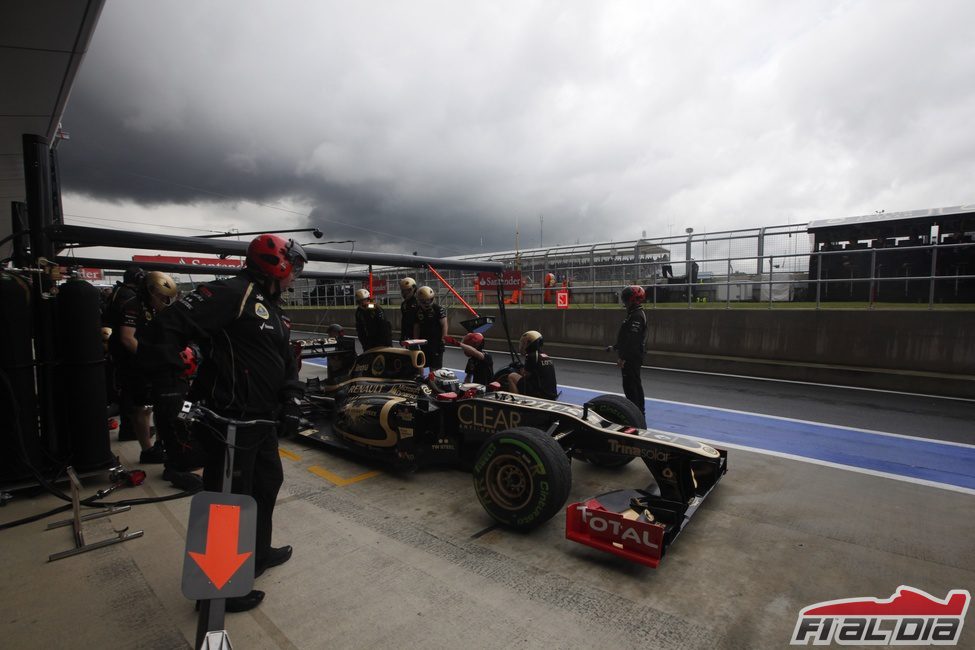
{"x": 909, "y": 617}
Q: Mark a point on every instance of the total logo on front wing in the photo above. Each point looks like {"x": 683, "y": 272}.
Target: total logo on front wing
{"x": 909, "y": 617}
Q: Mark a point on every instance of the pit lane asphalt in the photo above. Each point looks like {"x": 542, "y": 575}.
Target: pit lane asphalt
{"x": 412, "y": 561}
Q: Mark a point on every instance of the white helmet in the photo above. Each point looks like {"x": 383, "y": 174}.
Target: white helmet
{"x": 445, "y": 380}
{"x": 425, "y": 296}
{"x": 361, "y": 294}
{"x": 407, "y": 286}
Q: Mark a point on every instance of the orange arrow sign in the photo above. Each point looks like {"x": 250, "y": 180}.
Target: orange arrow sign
{"x": 221, "y": 560}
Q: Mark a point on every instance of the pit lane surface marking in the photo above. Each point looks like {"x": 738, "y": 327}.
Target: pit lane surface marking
{"x": 338, "y": 480}
{"x": 946, "y": 465}
{"x": 290, "y": 455}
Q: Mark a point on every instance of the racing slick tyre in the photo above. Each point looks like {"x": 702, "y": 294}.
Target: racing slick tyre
{"x": 522, "y": 477}
{"x": 617, "y": 410}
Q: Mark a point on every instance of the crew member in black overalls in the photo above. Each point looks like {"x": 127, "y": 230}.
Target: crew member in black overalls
{"x": 370, "y": 323}
{"x": 248, "y": 372}
{"x": 480, "y": 366}
{"x": 537, "y": 378}
{"x": 123, "y": 292}
{"x": 157, "y": 291}
{"x": 407, "y": 309}
{"x": 631, "y": 342}
{"x": 431, "y": 324}
{"x": 340, "y": 363}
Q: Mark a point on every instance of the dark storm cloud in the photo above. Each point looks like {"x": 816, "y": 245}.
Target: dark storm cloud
{"x": 442, "y": 127}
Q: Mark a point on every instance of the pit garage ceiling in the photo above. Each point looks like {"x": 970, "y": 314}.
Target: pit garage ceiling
{"x": 42, "y": 44}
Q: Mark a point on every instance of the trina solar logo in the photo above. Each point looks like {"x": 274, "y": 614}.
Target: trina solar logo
{"x": 909, "y": 617}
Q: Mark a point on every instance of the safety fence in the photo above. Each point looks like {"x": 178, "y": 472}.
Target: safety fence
{"x": 765, "y": 267}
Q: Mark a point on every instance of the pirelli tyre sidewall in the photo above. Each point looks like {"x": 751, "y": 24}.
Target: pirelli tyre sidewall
{"x": 618, "y": 410}
{"x": 522, "y": 477}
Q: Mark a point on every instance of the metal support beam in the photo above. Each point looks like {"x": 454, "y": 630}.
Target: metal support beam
{"x": 66, "y": 234}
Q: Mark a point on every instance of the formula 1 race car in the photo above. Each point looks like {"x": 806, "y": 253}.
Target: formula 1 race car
{"x": 517, "y": 447}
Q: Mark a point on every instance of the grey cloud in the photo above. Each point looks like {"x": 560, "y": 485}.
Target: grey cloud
{"x": 441, "y": 124}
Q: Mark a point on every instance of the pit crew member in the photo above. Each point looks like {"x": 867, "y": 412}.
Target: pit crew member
{"x": 408, "y": 308}
{"x": 537, "y": 378}
{"x": 431, "y": 324}
{"x": 480, "y": 366}
{"x": 249, "y": 372}
{"x": 370, "y": 324}
{"x": 631, "y": 344}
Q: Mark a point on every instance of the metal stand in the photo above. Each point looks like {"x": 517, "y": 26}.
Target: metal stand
{"x": 75, "y": 523}
{"x": 210, "y": 624}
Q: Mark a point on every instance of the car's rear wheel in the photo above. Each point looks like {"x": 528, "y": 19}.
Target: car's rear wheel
{"x": 618, "y": 410}
{"x": 522, "y": 477}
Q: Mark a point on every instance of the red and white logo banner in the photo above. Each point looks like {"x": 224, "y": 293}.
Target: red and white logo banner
{"x": 909, "y": 617}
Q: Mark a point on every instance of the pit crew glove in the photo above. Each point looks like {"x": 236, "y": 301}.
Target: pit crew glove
{"x": 191, "y": 357}
{"x": 289, "y": 418}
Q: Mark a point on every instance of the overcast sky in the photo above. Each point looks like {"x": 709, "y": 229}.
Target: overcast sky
{"x": 439, "y": 126}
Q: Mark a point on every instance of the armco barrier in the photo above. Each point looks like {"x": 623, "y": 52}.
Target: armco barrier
{"x": 916, "y": 351}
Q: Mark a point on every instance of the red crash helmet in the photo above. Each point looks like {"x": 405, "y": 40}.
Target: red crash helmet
{"x": 275, "y": 256}
{"x": 474, "y": 339}
{"x": 633, "y": 295}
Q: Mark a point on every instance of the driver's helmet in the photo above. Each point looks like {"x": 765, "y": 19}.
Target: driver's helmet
{"x": 425, "y": 296}
{"x": 445, "y": 381}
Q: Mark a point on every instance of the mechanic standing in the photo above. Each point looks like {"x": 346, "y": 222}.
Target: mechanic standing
{"x": 123, "y": 292}
{"x": 480, "y": 366}
{"x": 371, "y": 325}
{"x": 248, "y": 372}
{"x": 407, "y": 309}
{"x": 156, "y": 292}
{"x": 631, "y": 344}
{"x": 537, "y": 378}
{"x": 431, "y": 324}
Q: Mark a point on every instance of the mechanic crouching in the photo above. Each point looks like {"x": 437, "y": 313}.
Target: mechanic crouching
{"x": 248, "y": 372}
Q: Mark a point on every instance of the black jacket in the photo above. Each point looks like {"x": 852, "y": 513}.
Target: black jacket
{"x": 372, "y": 328}
{"x": 249, "y": 367}
{"x": 631, "y": 341}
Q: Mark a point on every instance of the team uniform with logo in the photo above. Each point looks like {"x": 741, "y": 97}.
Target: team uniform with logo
{"x": 428, "y": 327}
{"x": 371, "y": 327}
{"x": 539, "y": 378}
{"x": 249, "y": 372}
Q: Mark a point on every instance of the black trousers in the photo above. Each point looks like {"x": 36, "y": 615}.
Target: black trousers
{"x": 257, "y": 471}
{"x": 434, "y": 355}
{"x": 633, "y": 382}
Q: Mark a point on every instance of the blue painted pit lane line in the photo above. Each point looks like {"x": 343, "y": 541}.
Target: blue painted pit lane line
{"x": 929, "y": 462}
{"x": 935, "y": 463}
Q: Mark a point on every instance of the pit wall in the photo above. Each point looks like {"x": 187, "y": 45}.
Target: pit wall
{"x": 914, "y": 351}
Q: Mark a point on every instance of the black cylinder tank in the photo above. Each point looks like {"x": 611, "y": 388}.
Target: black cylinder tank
{"x": 79, "y": 395}
{"x": 18, "y": 435}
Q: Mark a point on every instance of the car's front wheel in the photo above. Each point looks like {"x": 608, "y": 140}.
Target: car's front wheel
{"x": 522, "y": 477}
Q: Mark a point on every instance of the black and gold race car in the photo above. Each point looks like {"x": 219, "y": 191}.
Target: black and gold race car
{"x": 518, "y": 448}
